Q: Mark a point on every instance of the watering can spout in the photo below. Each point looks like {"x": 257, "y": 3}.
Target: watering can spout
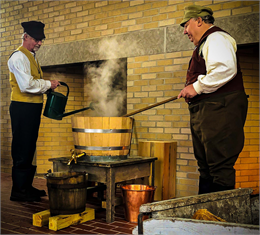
{"x": 79, "y": 110}
{"x": 56, "y": 103}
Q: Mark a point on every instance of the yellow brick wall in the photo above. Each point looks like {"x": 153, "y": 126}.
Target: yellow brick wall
{"x": 151, "y": 78}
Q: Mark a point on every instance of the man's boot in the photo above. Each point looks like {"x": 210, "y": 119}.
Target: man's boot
{"x": 40, "y": 193}
{"x": 205, "y": 185}
{"x": 20, "y": 189}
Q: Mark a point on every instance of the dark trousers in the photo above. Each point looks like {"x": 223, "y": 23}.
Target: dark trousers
{"x": 25, "y": 122}
{"x": 218, "y": 136}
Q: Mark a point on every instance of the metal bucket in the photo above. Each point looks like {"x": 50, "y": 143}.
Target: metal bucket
{"x": 67, "y": 192}
{"x": 134, "y": 195}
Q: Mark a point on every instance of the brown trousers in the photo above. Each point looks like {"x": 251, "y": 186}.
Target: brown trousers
{"x": 218, "y": 135}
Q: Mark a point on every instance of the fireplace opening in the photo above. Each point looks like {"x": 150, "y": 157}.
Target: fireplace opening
{"x": 103, "y": 82}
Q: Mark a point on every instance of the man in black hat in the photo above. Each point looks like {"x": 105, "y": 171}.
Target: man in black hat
{"x": 28, "y": 87}
{"x": 217, "y": 101}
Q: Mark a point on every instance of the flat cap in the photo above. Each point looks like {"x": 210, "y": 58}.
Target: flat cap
{"x": 195, "y": 11}
{"x": 34, "y": 28}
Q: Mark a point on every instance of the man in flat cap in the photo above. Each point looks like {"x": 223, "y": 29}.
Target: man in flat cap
{"x": 217, "y": 101}
{"x": 28, "y": 87}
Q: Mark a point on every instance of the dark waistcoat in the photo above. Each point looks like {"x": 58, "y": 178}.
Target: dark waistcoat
{"x": 197, "y": 66}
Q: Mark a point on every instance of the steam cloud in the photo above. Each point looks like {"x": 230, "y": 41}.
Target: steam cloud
{"x": 107, "y": 82}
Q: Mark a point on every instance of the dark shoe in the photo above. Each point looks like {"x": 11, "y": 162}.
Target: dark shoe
{"x": 24, "y": 197}
{"x": 21, "y": 190}
{"x": 38, "y": 192}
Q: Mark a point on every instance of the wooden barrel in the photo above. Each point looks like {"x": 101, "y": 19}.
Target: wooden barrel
{"x": 102, "y": 136}
{"x": 67, "y": 192}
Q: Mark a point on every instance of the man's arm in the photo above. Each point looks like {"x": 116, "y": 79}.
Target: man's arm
{"x": 19, "y": 65}
{"x": 219, "y": 52}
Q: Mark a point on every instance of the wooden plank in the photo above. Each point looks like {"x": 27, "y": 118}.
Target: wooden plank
{"x": 132, "y": 172}
{"x": 166, "y": 169}
{"x": 165, "y": 166}
{"x": 41, "y": 218}
{"x": 172, "y": 170}
{"x": 63, "y": 221}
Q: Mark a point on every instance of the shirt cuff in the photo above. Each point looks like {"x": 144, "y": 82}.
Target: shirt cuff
{"x": 197, "y": 87}
{"x": 48, "y": 85}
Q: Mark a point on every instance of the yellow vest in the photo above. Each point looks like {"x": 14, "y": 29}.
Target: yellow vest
{"x": 36, "y": 72}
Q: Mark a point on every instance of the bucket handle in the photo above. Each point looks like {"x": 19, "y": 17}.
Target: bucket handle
{"x": 65, "y": 84}
{"x": 65, "y": 177}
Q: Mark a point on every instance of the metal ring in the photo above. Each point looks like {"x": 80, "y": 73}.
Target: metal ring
{"x": 102, "y": 130}
{"x": 102, "y": 148}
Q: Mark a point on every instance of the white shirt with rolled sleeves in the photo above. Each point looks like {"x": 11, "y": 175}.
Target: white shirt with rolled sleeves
{"x": 19, "y": 65}
{"x": 219, "y": 53}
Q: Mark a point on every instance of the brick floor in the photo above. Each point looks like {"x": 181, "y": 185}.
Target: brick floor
{"x": 16, "y": 217}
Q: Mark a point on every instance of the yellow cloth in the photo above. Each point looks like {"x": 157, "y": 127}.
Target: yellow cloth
{"x": 204, "y": 214}
{"x": 36, "y": 73}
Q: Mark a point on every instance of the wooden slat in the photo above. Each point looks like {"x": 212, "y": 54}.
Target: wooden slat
{"x": 63, "y": 221}
{"x": 165, "y": 166}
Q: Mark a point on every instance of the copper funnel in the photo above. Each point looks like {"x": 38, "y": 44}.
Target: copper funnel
{"x": 134, "y": 196}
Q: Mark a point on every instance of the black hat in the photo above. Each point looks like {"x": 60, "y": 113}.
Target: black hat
{"x": 34, "y": 29}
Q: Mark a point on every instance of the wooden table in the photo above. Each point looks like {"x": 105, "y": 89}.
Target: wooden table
{"x": 110, "y": 173}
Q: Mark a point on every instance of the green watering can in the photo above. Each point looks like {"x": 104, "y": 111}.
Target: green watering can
{"x": 56, "y": 103}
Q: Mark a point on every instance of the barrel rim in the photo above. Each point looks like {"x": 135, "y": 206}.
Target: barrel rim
{"x": 77, "y": 174}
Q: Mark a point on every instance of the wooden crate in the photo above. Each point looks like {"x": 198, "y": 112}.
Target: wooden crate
{"x": 165, "y": 166}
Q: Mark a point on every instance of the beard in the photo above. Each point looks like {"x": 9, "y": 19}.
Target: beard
{"x": 36, "y": 48}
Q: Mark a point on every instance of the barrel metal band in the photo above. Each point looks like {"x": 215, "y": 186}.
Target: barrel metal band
{"x": 102, "y": 148}
{"x": 102, "y": 130}
{"x": 67, "y": 186}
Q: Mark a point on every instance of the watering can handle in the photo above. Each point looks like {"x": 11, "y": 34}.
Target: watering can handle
{"x": 64, "y": 84}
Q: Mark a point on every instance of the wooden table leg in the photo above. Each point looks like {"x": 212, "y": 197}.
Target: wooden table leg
{"x": 110, "y": 195}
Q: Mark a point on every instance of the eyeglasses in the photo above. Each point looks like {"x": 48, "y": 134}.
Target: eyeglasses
{"x": 37, "y": 41}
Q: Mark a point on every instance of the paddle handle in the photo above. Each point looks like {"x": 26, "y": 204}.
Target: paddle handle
{"x": 150, "y": 106}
